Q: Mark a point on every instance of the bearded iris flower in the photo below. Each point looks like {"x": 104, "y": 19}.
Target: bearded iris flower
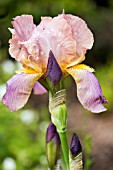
{"x": 68, "y": 38}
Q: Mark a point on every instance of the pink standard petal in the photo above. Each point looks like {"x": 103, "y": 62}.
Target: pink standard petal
{"x": 23, "y": 26}
{"x": 38, "y": 89}
{"x": 57, "y": 37}
{"x": 44, "y": 22}
{"x": 80, "y": 32}
{"x": 18, "y": 90}
{"x": 16, "y": 50}
{"x": 60, "y": 39}
{"x": 89, "y": 91}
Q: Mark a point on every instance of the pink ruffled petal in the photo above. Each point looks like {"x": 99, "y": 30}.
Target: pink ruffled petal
{"x": 18, "y": 90}
{"x": 44, "y": 22}
{"x": 23, "y": 26}
{"x": 16, "y": 50}
{"x": 11, "y": 30}
{"x": 80, "y": 32}
{"x": 88, "y": 90}
{"x": 57, "y": 37}
{"x": 61, "y": 42}
{"x": 38, "y": 89}
{"x": 66, "y": 36}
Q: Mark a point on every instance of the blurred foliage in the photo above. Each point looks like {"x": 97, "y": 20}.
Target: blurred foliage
{"x": 87, "y": 146}
{"x": 105, "y": 77}
{"x": 25, "y": 143}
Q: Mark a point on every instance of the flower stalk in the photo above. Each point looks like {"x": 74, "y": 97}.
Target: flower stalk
{"x": 65, "y": 149}
{"x": 57, "y": 100}
{"x": 58, "y": 112}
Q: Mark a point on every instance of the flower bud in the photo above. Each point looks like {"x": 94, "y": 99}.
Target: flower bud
{"x": 53, "y": 72}
{"x": 75, "y": 154}
{"x": 75, "y": 146}
{"x": 57, "y": 100}
{"x": 53, "y": 146}
{"x": 58, "y": 110}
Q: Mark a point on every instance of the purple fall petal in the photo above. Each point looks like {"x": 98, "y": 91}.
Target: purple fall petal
{"x": 89, "y": 91}
{"x": 18, "y": 90}
{"x": 38, "y": 89}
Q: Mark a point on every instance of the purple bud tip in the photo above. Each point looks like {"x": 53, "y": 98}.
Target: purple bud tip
{"x": 53, "y": 73}
{"x": 52, "y": 134}
{"x": 75, "y": 146}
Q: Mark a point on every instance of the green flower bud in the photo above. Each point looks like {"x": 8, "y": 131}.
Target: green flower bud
{"x": 53, "y": 146}
{"x": 58, "y": 110}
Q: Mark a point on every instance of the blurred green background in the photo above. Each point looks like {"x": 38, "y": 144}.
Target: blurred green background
{"x": 22, "y": 134}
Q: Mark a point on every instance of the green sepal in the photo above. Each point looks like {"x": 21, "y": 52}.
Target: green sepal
{"x": 58, "y": 110}
{"x": 53, "y": 154}
{"x": 59, "y": 117}
{"x": 76, "y": 163}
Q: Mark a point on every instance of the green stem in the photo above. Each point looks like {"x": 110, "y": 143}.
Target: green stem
{"x": 65, "y": 149}
{"x": 43, "y": 83}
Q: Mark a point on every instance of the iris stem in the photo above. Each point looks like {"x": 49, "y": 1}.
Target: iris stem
{"x": 65, "y": 149}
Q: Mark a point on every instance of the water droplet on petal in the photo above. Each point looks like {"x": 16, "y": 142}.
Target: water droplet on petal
{"x": 52, "y": 29}
{"x": 42, "y": 53}
{"x": 58, "y": 45}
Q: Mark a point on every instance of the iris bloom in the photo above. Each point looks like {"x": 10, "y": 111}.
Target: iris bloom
{"x": 68, "y": 37}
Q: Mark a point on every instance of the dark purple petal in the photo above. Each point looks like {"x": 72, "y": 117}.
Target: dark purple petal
{"x": 53, "y": 73}
{"x": 38, "y": 89}
{"x": 18, "y": 90}
{"x": 52, "y": 134}
{"x": 51, "y": 130}
{"x": 75, "y": 146}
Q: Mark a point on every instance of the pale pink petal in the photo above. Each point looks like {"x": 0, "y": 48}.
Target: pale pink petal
{"x": 38, "y": 89}
{"x": 11, "y": 30}
{"x": 80, "y": 32}
{"x": 60, "y": 39}
{"x": 57, "y": 37}
{"x": 39, "y": 41}
{"x": 33, "y": 50}
{"x": 88, "y": 90}
{"x": 44, "y": 22}
{"x": 23, "y": 26}
{"x": 27, "y": 53}
{"x": 18, "y": 90}
{"x": 17, "y": 50}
